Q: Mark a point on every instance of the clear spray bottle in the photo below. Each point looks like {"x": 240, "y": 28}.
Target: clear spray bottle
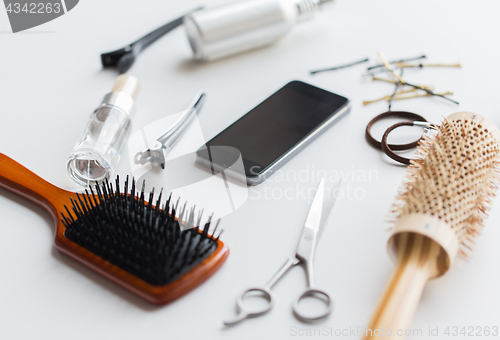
{"x": 96, "y": 153}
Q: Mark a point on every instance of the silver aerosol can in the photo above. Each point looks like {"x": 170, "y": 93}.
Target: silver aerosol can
{"x": 240, "y": 26}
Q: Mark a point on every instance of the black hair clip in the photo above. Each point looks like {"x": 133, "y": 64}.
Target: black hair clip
{"x": 125, "y": 57}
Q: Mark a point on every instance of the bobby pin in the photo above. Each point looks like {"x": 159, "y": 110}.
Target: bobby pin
{"x": 421, "y": 65}
{"x": 391, "y": 81}
{"x": 397, "y": 61}
{"x": 396, "y": 90}
{"x": 400, "y": 65}
{"x": 400, "y": 95}
{"x": 388, "y": 97}
{"x": 341, "y": 66}
{"x": 403, "y": 82}
{"x": 418, "y": 95}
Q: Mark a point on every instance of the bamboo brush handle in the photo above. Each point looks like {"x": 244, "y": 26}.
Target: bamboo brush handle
{"x": 23, "y": 182}
{"x": 417, "y": 260}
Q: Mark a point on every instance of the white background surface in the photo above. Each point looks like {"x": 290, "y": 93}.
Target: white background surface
{"x": 51, "y": 80}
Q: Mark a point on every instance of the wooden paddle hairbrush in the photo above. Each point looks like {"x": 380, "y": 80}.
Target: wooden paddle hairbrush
{"x": 439, "y": 212}
{"x": 147, "y": 250}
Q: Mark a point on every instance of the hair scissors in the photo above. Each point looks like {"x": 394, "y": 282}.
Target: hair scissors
{"x": 304, "y": 254}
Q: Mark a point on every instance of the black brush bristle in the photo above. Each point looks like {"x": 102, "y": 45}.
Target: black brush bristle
{"x": 145, "y": 241}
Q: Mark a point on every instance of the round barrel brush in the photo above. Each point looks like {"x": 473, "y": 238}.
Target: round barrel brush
{"x": 439, "y": 212}
{"x": 157, "y": 252}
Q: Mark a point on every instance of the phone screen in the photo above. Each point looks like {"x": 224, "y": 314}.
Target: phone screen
{"x": 278, "y": 124}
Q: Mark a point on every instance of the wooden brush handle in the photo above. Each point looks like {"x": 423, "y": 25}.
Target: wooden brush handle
{"x": 417, "y": 260}
{"x": 23, "y": 182}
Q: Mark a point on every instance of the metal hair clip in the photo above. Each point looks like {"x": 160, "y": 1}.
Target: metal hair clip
{"x": 426, "y": 125}
{"x": 157, "y": 151}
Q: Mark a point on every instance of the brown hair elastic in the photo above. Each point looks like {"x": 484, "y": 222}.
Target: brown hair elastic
{"x": 389, "y": 149}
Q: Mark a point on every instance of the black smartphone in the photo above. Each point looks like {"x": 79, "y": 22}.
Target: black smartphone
{"x": 273, "y": 132}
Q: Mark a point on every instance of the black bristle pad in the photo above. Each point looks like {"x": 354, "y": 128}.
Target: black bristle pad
{"x": 145, "y": 241}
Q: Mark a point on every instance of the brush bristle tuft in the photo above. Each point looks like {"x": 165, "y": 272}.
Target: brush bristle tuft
{"x": 454, "y": 177}
{"x": 142, "y": 239}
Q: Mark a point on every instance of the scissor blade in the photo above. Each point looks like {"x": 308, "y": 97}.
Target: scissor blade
{"x": 315, "y": 212}
{"x": 328, "y": 204}
{"x": 309, "y": 236}
{"x": 317, "y": 219}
